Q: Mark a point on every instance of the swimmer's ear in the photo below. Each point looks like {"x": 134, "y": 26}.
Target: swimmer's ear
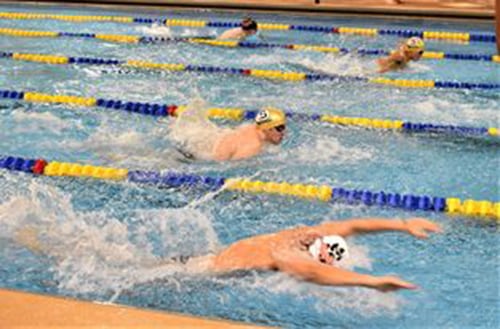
{"x": 309, "y": 238}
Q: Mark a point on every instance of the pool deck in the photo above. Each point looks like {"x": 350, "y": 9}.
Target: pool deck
{"x": 27, "y": 310}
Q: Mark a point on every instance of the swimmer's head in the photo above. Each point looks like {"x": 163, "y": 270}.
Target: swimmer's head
{"x": 249, "y": 26}
{"x": 414, "y": 46}
{"x": 272, "y": 122}
{"x": 329, "y": 249}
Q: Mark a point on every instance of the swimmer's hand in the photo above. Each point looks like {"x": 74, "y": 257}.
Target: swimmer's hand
{"x": 392, "y": 283}
{"x": 419, "y": 227}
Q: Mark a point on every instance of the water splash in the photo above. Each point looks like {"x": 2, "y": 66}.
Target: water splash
{"x": 155, "y": 29}
{"x": 345, "y": 65}
{"x": 94, "y": 252}
{"x": 194, "y": 133}
{"x": 364, "y": 301}
{"x": 40, "y": 121}
{"x": 323, "y": 150}
{"x": 164, "y": 31}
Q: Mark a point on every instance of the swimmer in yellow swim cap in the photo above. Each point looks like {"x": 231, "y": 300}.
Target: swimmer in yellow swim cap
{"x": 411, "y": 50}
{"x": 247, "y": 28}
{"x": 249, "y": 140}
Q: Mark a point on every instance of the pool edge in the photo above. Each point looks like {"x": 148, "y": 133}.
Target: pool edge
{"x": 26, "y": 309}
{"x": 274, "y": 6}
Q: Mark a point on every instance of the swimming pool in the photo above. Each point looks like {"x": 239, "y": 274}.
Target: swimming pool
{"x": 102, "y": 235}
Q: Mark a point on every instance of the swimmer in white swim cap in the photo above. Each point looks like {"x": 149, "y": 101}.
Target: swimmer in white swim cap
{"x": 308, "y": 253}
{"x": 411, "y": 50}
{"x": 329, "y": 249}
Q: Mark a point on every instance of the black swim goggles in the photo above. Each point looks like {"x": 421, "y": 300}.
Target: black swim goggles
{"x": 335, "y": 252}
{"x": 280, "y": 128}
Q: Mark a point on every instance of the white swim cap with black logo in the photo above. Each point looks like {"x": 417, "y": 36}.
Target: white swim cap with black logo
{"x": 337, "y": 248}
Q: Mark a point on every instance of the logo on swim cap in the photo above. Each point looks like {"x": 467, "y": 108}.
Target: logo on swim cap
{"x": 336, "y": 246}
{"x": 415, "y": 44}
{"x": 268, "y": 118}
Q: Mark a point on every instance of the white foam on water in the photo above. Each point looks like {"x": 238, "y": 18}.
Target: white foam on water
{"x": 161, "y": 30}
{"x": 367, "y": 302}
{"x": 194, "y": 133}
{"x": 350, "y": 65}
{"x": 327, "y": 149}
{"x": 120, "y": 145}
{"x": 417, "y": 67}
{"x": 39, "y": 120}
{"x": 155, "y": 29}
{"x": 95, "y": 252}
{"x": 457, "y": 112}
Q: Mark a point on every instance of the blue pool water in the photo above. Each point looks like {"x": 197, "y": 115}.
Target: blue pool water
{"x": 99, "y": 237}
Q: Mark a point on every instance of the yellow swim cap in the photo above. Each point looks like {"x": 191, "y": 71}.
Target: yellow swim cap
{"x": 414, "y": 44}
{"x": 270, "y": 117}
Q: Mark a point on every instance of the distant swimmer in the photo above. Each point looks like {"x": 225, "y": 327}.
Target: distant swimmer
{"x": 411, "y": 50}
{"x": 311, "y": 253}
{"x": 198, "y": 138}
{"x": 248, "y": 27}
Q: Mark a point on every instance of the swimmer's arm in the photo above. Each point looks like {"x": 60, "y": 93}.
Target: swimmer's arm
{"x": 415, "y": 226}
{"x": 309, "y": 270}
{"x": 389, "y": 63}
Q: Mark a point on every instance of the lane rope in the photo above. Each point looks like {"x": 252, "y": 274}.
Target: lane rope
{"x": 409, "y": 202}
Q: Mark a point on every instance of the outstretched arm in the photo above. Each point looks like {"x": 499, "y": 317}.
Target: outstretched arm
{"x": 418, "y": 227}
{"x": 392, "y": 62}
{"x": 313, "y": 271}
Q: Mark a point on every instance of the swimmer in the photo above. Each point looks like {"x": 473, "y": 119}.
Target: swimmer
{"x": 248, "y": 27}
{"x": 197, "y": 138}
{"x": 249, "y": 140}
{"x": 411, "y": 50}
{"x": 312, "y": 253}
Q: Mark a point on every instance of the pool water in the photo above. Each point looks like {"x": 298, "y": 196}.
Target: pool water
{"x": 97, "y": 240}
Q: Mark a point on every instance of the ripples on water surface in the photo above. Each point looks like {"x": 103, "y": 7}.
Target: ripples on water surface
{"x": 96, "y": 240}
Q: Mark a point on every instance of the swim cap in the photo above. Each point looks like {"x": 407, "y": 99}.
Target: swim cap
{"x": 337, "y": 248}
{"x": 414, "y": 44}
{"x": 248, "y": 24}
{"x": 270, "y": 117}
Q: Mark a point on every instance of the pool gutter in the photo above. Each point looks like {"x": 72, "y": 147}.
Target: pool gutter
{"x": 368, "y": 7}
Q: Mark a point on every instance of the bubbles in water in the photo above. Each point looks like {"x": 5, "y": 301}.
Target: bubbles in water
{"x": 93, "y": 252}
{"x": 454, "y": 111}
{"x": 194, "y": 133}
{"x": 327, "y": 299}
{"x": 155, "y": 29}
{"x": 39, "y": 120}
{"x": 328, "y": 149}
{"x": 345, "y": 65}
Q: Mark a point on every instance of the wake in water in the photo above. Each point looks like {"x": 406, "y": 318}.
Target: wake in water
{"x": 348, "y": 65}
{"x": 194, "y": 133}
{"x": 93, "y": 252}
{"x": 156, "y": 29}
{"x": 165, "y": 31}
{"x": 328, "y": 149}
